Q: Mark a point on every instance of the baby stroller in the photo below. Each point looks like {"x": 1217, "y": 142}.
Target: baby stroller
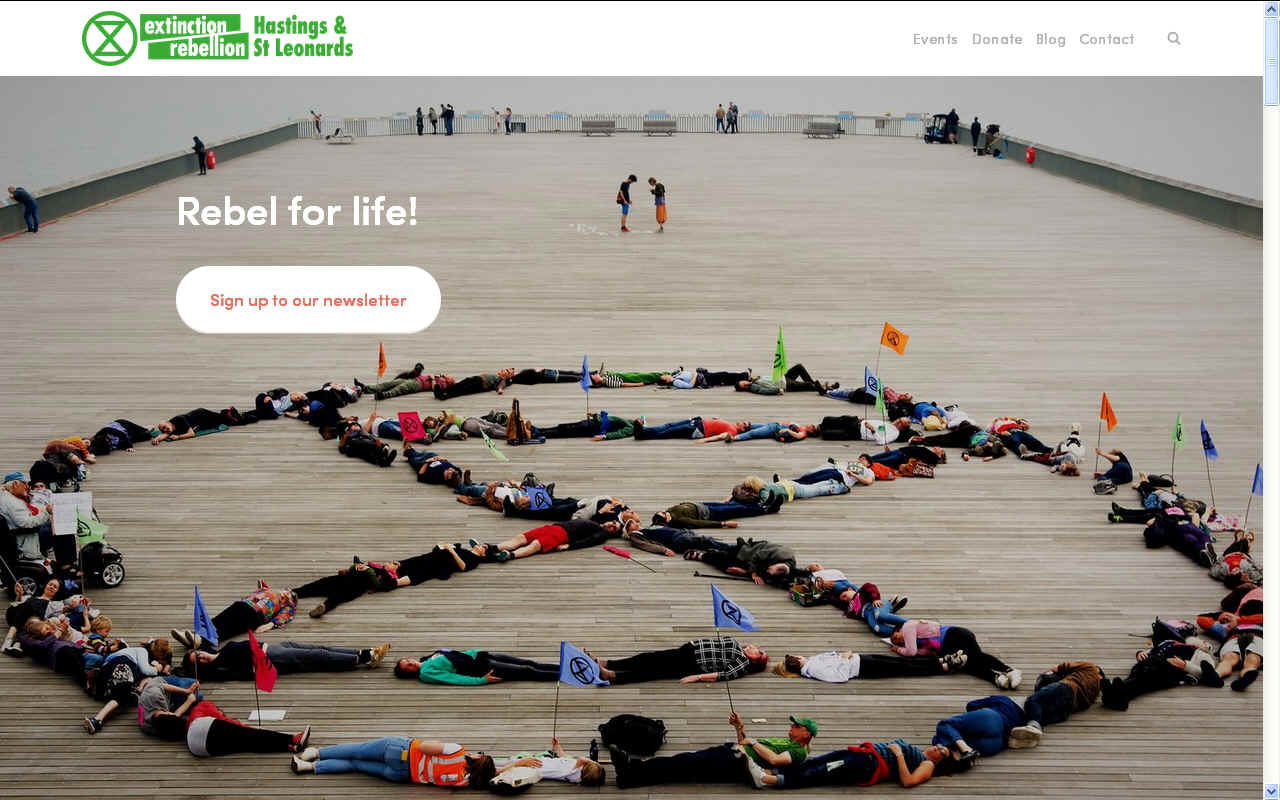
{"x": 89, "y": 560}
{"x": 937, "y": 131}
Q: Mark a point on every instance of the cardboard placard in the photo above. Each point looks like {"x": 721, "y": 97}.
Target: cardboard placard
{"x": 65, "y": 505}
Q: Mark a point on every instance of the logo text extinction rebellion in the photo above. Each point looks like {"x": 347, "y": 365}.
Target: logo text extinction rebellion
{"x": 211, "y": 37}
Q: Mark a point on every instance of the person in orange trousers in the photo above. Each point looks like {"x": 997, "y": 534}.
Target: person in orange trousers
{"x": 659, "y": 193}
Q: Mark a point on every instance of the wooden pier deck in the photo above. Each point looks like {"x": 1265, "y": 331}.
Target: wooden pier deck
{"x": 1023, "y": 293}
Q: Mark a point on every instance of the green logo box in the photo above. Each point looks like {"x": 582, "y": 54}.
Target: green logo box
{"x": 233, "y": 46}
{"x": 182, "y": 26}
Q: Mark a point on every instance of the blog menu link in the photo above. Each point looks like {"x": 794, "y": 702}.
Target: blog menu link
{"x": 1042, "y": 39}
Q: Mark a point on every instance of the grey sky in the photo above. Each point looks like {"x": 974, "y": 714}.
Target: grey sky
{"x": 1203, "y": 130}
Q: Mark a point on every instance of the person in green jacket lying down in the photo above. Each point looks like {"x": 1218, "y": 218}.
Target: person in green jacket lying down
{"x": 474, "y": 668}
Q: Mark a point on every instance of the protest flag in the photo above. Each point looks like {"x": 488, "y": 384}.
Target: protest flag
{"x": 1210, "y": 454}
{"x": 202, "y": 624}
{"x": 779, "y": 358}
{"x": 1256, "y": 490}
{"x": 894, "y": 339}
{"x": 729, "y": 614}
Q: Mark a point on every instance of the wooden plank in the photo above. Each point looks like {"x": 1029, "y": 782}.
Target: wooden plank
{"x": 1023, "y": 294}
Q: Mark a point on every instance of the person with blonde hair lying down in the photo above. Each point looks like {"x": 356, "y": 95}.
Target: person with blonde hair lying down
{"x": 834, "y": 666}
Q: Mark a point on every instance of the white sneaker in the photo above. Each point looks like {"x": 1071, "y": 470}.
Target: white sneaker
{"x": 1009, "y": 680}
{"x": 299, "y": 766}
{"x": 757, "y": 773}
{"x": 309, "y": 754}
{"x": 1025, "y": 736}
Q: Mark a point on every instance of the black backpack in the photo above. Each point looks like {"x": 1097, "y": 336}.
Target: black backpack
{"x": 1176, "y": 629}
{"x": 634, "y": 734}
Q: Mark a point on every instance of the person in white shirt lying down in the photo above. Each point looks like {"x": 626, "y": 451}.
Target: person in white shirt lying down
{"x": 556, "y": 766}
{"x": 834, "y": 666}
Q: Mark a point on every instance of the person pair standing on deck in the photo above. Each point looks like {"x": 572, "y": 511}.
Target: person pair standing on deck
{"x": 659, "y": 193}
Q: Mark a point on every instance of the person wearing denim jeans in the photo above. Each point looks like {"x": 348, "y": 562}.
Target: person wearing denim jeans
{"x": 384, "y": 758}
{"x": 235, "y": 660}
{"x": 692, "y": 514}
{"x": 432, "y": 468}
{"x": 983, "y": 729}
{"x": 1050, "y": 704}
{"x": 679, "y": 429}
{"x": 787, "y": 491}
{"x": 664, "y": 540}
{"x": 761, "y": 430}
{"x": 402, "y": 760}
{"x": 881, "y": 619}
{"x": 1015, "y": 439}
{"x": 734, "y": 510}
{"x": 30, "y": 213}
{"x": 804, "y": 491}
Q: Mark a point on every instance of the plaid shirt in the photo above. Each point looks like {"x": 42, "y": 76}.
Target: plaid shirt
{"x": 722, "y": 656}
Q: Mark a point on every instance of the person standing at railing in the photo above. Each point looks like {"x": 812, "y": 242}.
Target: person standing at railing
{"x": 29, "y": 215}
{"x": 420, "y": 126}
{"x": 432, "y": 118}
{"x": 315, "y": 117}
{"x": 720, "y": 126}
{"x": 201, "y": 161}
{"x": 506, "y": 120}
{"x": 733, "y": 118}
{"x": 975, "y": 133}
{"x": 447, "y": 113}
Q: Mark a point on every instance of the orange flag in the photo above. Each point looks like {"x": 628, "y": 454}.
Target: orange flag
{"x": 1108, "y": 414}
{"x": 382, "y": 361}
{"x": 893, "y": 338}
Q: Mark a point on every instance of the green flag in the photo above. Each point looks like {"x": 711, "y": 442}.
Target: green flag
{"x": 88, "y": 530}
{"x": 880, "y": 398}
{"x": 779, "y": 358}
{"x": 1179, "y": 438}
{"x": 493, "y": 448}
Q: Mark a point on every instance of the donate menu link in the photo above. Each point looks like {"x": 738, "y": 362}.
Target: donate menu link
{"x": 1039, "y": 39}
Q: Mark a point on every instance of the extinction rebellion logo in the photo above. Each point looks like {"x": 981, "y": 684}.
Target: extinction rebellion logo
{"x": 110, "y": 38}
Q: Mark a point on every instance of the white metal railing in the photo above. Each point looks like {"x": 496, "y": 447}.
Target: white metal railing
{"x": 909, "y": 125}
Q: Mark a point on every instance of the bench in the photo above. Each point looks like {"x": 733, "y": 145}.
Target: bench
{"x": 822, "y": 130}
{"x": 653, "y": 126}
{"x": 605, "y": 126}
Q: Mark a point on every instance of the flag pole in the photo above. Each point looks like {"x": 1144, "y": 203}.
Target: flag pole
{"x": 1250, "y": 502}
{"x": 1095, "y": 452}
{"x": 641, "y": 563}
{"x": 1209, "y": 475}
{"x": 1173, "y": 456}
{"x": 255, "y": 696}
{"x": 727, "y": 690}
{"x": 555, "y": 710}
{"x": 879, "y": 382}
{"x": 697, "y": 574}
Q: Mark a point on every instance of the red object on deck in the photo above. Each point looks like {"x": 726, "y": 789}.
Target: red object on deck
{"x": 1031, "y": 155}
{"x": 209, "y": 159}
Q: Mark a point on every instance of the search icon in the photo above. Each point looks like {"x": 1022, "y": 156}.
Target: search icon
{"x": 1173, "y": 38}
